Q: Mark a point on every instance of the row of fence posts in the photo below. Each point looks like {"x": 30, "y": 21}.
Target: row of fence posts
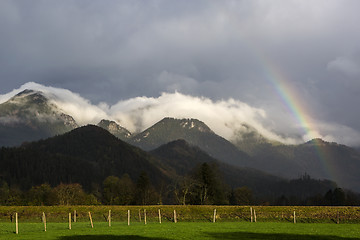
{"x": 90, "y": 218}
{"x": 252, "y": 218}
{"x": 253, "y": 215}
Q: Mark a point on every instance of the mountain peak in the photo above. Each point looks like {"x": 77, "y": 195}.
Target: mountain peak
{"x": 29, "y": 96}
{"x": 323, "y": 143}
{"x": 115, "y": 129}
{"x": 25, "y": 92}
{"x": 188, "y": 124}
{"x": 317, "y": 142}
{"x": 179, "y": 142}
{"x": 170, "y": 129}
{"x": 29, "y": 115}
{"x": 180, "y": 156}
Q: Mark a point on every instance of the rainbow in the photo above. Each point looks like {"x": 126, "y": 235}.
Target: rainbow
{"x": 291, "y": 100}
{"x": 289, "y": 97}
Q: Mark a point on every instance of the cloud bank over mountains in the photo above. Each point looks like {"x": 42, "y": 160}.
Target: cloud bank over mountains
{"x": 224, "y": 117}
{"x": 111, "y": 50}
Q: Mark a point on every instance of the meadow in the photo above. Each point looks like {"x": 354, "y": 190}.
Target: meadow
{"x": 183, "y": 230}
{"x": 193, "y": 222}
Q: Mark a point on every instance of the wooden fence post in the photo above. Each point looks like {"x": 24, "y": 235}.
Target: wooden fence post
{"x": 214, "y": 218}
{"x": 175, "y": 220}
{"x": 74, "y": 215}
{"x": 128, "y": 217}
{"x": 91, "y": 221}
{"x": 254, "y": 215}
{"x": 109, "y": 218}
{"x": 251, "y": 215}
{"x": 16, "y": 224}
{"x": 70, "y": 221}
{"x": 44, "y": 220}
{"x": 159, "y": 217}
{"x": 145, "y": 216}
{"x": 294, "y": 217}
{"x": 139, "y": 216}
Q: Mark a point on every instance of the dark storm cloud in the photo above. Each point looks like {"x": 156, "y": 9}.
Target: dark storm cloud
{"x": 113, "y": 50}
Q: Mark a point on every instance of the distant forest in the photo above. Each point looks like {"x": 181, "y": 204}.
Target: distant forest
{"x": 90, "y": 166}
{"x": 203, "y": 186}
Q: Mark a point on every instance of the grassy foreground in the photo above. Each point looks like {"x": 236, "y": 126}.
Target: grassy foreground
{"x": 183, "y": 230}
{"x": 194, "y": 222}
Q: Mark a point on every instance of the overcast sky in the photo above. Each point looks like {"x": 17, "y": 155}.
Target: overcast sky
{"x": 111, "y": 51}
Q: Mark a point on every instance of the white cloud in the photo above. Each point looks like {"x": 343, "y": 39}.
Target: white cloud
{"x": 224, "y": 117}
{"x": 208, "y": 48}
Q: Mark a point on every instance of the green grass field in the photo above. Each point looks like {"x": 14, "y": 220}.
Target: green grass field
{"x": 194, "y": 222}
{"x": 184, "y": 230}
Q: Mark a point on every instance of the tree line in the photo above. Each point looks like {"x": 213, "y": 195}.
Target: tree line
{"x": 203, "y": 186}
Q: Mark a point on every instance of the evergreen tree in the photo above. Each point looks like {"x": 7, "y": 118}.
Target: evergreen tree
{"x": 208, "y": 187}
{"x": 328, "y": 198}
{"x": 111, "y": 190}
{"x": 143, "y": 189}
{"x": 127, "y": 191}
{"x": 241, "y": 196}
{"x": 339, "y": 197}
{"x": 4, "y": 192}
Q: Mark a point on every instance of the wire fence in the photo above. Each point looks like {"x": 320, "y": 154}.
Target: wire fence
{"x": 166, "y": 213}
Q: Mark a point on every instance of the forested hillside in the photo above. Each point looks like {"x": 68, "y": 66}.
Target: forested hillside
{"x": 90, "y": 166}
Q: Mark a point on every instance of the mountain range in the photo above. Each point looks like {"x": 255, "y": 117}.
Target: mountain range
{"x": 89, "y": 154}
{"x": 30, "y": 116}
